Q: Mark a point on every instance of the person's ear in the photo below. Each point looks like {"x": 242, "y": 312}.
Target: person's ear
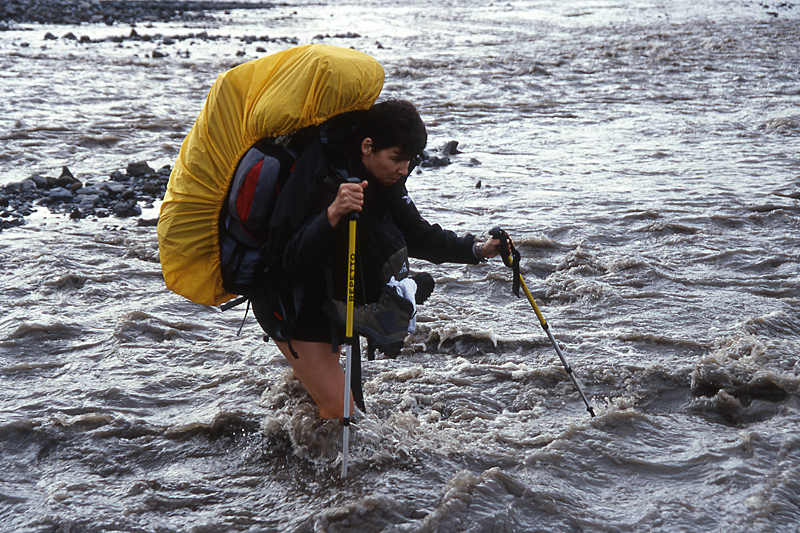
{"x": 366, "y": 146}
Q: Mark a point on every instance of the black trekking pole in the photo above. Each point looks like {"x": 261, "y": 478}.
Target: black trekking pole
{"x": 511, "y": 259}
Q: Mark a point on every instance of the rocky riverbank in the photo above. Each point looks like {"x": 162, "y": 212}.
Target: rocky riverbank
{"x": 122, "y": 195}
{"x": 113, "y": 11}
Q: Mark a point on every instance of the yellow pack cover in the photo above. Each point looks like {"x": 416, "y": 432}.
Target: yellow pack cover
{"x": 267, "y": 97}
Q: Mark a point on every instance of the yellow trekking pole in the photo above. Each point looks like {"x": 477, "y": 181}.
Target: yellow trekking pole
{"x": 350, "y": 339}
{"x": 511, "y": 259}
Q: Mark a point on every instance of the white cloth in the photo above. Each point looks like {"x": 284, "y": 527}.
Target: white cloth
{"x": 407, "y": 288}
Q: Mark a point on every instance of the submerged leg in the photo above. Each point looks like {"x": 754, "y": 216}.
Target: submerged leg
{"x": 320, "y": 372}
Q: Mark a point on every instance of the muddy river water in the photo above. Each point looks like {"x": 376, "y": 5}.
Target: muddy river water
{"x": 643, "y": 155}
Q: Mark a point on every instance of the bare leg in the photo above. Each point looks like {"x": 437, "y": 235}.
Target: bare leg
{"x": 321, "y": 374}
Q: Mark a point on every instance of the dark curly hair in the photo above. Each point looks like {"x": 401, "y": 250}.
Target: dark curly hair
{"x": 394, "y": 123}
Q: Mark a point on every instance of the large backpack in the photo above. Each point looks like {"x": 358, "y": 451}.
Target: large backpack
{"x": 245, "y": 217}
{"x": 265, "y": 98}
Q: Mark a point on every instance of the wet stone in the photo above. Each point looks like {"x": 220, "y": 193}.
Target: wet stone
{"x": 114, "y": 188}
{"x": 451, "y": 148}
{"x": 67, "y": 180}
{"x": 436, "y": 161}
{"x": 60, "y": 194}
{"x": 91, "y": 190}
{"x": 127, "y": 208}
{"x": 141, "y": 168}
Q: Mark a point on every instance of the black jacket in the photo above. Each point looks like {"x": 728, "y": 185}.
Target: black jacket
{"x": 302, "y": 243}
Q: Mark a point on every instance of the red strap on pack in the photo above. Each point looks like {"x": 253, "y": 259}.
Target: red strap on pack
{"x": 244, "y": 200}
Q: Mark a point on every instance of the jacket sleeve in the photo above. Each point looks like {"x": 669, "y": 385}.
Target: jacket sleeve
{"x": 300, "y": 235}
{"x": 429, "y": 241}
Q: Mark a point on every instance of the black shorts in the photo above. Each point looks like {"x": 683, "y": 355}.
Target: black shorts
{"x": 273, "y": 306}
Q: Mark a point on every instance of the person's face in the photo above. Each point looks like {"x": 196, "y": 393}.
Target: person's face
{"x": 387, "y": 166}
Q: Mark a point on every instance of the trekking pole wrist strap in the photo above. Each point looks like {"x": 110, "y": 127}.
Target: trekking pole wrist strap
{"x": 511, "y": 257}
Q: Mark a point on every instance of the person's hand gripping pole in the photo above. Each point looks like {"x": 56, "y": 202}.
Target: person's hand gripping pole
{"x": 511, "y": 259}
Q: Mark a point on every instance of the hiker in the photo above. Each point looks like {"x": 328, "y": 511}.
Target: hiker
{"x": 356, "y": 162}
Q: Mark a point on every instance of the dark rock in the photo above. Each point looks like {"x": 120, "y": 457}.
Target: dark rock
{"x": 50, "y": 37}
{"x": 151, "y": 188}
{"x": 118, "y": 176}
{"x": 113, "y": 188}
{"x": 159, "y": 55}
{"x": 43, "y": 182}
{"x": 60, "y": 194}
{"x": 147, "y": 222}
{"x": 28, "y": 186}
{"x": 91, "y": 190}
{"x": 126, "y": 208}
{"x": 451, "y": 148}
{"x": 436, "y": 162}
{"x": 123, "y": 208}
{"x": 139, "y": 169}
{"x": 66, "y": 179}
{"x": 70, "y": 37}
{"x": 11, "y": 223}
{"x": 75, "y": 214}
{"x": 87, "y": 203}
{"x": 129, "y": 194}
{"x": 478, "y": 185}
